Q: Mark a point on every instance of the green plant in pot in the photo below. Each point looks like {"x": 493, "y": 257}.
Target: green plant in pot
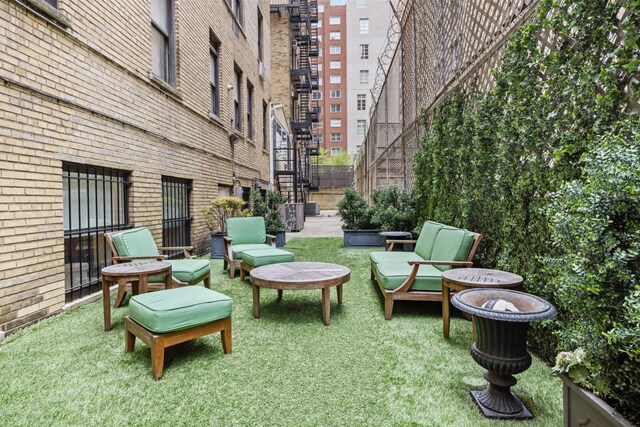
{"x": 357, "y": 227}
{"x": 216, "y": 214}
{"x": 270, "y": 210}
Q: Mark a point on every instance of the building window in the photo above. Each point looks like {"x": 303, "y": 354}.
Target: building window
{"x": 265, "y": 124}
{"x": 364, "y": 25}
{"x": 249, "y": 110}
{"x": 214, "y": 75}
{"x": 319, "y": 81}
{"x": 237, "y": 101}
{"x": 361, "y": 102}
{"x": 335, "y": 93}
{"x": 360, "y": 4}
{"x": 162, "y": 43}
{"x": 316, "y": 96}
{"x": 336, "y": 151}
{"x": 335, "y": 79}
{"x": 364, "y": 51}
{"x": 260, "y": 35}
{"x": 320, "y": 52}
{"x": 317, "y": 138}
{"x": 336, "y": 123}
{"x": 334, "y": 35}
{"x": 336, "y": 137}
{"x": 176, "y": 214}
{"x": 364, "y": 77}
{"x": 335, "y": 65}
{"x": 335, "y": 50}
{"x": 361, "y": 127}
{"x": 336, "y": 108}
{"x": 53, "y": 3}
{"x": 334, "y": 20}
{"x": 320, "y": 8}
{"x": 95, "y": 201}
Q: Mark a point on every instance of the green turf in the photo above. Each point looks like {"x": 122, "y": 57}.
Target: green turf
{"x": 286, "y": 368}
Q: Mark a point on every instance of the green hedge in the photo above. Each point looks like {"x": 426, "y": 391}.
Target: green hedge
{"x": 499, "y": 164}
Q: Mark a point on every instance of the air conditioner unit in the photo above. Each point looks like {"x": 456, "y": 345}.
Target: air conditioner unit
{"x": 262, "y": 70}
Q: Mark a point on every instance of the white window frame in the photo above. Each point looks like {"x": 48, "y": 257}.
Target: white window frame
{"x": 364, "y": 77}
{"x": 361, "y": 102}
{"x": 335, "y": 65}
{"x": 336, "y": 137}
{"x": 335, "y": 94}
{"x": 364, "y": 51}
{"x": 336, "y": 123}
{"x": 334, "y": 20}
{"x": 336, "y": 108}
{"x": 335, "y": 50}
{"x": 333, "y": 79}
{"x": 335, "y": 35}
{"x": 364, "y": 25}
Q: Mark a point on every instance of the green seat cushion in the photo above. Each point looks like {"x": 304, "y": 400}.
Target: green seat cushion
{"x": 186, "y": 270}
{"x": 247, "y": 230}
{"x": 237, "y": 250}
{"x": 451, "y": 244}
{"x": 257, "y": 258}
{"x": 135, "y": 242}
{"x": 393, "y": 274}
{"x": 179, "y": 308}
{"x": 427, "y": 238}
{"x": 402, "y": 257}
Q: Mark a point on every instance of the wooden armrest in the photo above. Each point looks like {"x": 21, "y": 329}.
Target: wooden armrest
{"x": 391, "y": 242}
{"x": 452, "y": 263}
{"x": 176, "y": 248}
{"x": 227, "y": 239}
{"x": 272, "y": 239}
{"x": 117, "y": 259}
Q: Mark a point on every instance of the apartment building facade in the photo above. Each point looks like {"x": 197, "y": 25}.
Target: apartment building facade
{"x": 116, "y": 115}
{"x": 367, "y": 25}
{"x": 332, "y": 96}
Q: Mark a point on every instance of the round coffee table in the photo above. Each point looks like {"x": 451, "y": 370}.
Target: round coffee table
{"x": 137, "y": 273}
{"x": 460, "y": 279}
{"x": 297, "y": 276}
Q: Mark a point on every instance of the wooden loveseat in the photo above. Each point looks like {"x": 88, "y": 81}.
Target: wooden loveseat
{"x": 418, "y": 275}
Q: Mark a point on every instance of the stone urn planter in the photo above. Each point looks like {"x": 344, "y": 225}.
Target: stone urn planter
{"x": 583, "y": 408}
{"x": 501, "y": 344}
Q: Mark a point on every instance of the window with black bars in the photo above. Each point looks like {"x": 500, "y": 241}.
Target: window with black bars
{"x": 176, "y": 214}
{"x": 95, "y": 202}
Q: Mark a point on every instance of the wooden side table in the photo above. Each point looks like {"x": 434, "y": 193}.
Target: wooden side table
{"x": 137, "y": 273}
{"x": 460, "y": 279}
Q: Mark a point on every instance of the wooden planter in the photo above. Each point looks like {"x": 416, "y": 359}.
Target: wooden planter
{"x": 583, "y": 408}
{"x": 217, "y": 245}
{"x": 363, "y": 239}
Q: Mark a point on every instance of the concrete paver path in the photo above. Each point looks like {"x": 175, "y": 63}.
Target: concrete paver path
{"x": 327, "y": 224}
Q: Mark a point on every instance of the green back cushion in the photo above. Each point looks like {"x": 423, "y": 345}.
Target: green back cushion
{"x": 451, "y": 244}
{"x": 247, "y": 230}
{"x": 428, "y": 234}
{"x": 135, "y": 242}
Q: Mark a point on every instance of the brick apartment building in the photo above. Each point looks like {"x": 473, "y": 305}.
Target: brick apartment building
{"x": 332, "y": 96}
{"x": 120, "y": 114}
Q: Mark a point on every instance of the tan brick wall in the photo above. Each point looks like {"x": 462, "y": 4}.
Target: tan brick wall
{"x": 281, "y": 87}
{"x": 84, "y": 95}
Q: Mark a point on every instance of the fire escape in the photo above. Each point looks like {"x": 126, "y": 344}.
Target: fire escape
{"x": 297, "y": 161}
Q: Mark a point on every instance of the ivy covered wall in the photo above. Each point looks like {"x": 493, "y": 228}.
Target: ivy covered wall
{"x": 507, "y": 164}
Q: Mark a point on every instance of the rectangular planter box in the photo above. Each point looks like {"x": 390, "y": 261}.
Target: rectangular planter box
{"x": 293, "y": 216}
{"x": 363, "y": 239}
{"x": 583, "y": 408}
{"x": 217, "y": 246}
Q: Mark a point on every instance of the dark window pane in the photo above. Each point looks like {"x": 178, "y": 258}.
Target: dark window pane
{"x": 176, "y": 214}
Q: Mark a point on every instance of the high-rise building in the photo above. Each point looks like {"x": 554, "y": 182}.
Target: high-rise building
{"x": 331, "y": 131}
{"x": 367, "y": 25}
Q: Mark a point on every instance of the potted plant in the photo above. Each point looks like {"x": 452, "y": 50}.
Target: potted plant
{"x": 270, "y": 210}
{"x": 359, "y": 231}
{"x": 216, "y": 215}
{"x": 394, "y": 214}
{"x": 582, "y": 390}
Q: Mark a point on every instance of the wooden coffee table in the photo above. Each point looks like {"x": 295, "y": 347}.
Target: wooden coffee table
{"x": 460, "y": 279}
{"x": 299, "y": 276}
{"x": 137, "y": 273}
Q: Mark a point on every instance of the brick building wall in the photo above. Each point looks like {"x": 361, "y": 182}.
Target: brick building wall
{"x": 84, "y": 95}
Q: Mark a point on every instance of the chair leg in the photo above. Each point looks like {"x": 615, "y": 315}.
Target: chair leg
{"x": 207, "y": 281}
{"x": 130, "y": 340}
{"x": 242, "y": 274}
{"x": 122, "y": 294}
{"x": 157, "y": 357}
{"x": 373, "y": 275}
{"x": 226, "y": 336}
{"x": 225, "y": 264}
{"x": 388, "y": 306}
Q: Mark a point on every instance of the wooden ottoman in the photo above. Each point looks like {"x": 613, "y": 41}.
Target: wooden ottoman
{"x": 165, "y": 318}
{"x": 260, "y": 257}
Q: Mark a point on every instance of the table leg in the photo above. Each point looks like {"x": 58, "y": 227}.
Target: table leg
{"x": 445, "y": 311}
{"x": 135, "y": 286}
{"x": 256, "y": 301}
{"x": 326, "y": 301}
{"x": 106, "y": 303}
{"x": 142, "y": 284}
{"x": 279, "y": 294}
{"x": 339, "y": 294}
{"x": 168, "y": 281}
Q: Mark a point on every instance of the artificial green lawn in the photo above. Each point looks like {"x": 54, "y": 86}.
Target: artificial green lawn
{"x": 286, "y": 368}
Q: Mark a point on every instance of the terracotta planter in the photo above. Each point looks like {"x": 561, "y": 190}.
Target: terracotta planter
{"x": 583, "y": 408}
{"x": 363, "y": 239}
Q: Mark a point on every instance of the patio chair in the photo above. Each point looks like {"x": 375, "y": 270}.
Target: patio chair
{"x": 244, "y": 234}
{"x": 417, "y": 275}
{"x": 137, "y": 244}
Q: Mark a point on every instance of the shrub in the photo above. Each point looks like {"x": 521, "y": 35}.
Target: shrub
{"x": 257, "y": 205}
{"x": 595, "y": 223}
{"x": 393, "y": 209}
{"x": 273, "y": 218}
{"x": 220, "y": 209}
{"x": 354, "y": 211}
